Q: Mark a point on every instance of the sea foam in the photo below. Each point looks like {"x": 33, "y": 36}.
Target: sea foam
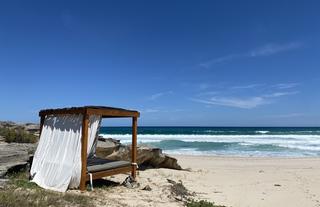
{"x": 260, "y": 144}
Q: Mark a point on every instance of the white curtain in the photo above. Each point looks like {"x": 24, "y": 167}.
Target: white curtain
{"x": 57, "y": 160}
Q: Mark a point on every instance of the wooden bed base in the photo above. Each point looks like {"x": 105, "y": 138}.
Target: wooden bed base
{"x": 101, "y": 174}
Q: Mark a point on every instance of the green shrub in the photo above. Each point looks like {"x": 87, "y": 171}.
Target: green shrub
{"x": 17, "y": 135}
{"x": 201, "y": 203}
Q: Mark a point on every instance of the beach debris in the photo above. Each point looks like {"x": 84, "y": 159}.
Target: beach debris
{"x": 188, "y": 169}
{"x": 171, "y": 181}
{"x": 277, "y": 185}
{"x": 129, "y": 182}
{"x": 179, "y": 191}
{"x": 147, "y": 188}
{"x": 261, "y": 171}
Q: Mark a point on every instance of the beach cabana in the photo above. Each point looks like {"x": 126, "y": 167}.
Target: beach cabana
{"x": 65, "y": 156}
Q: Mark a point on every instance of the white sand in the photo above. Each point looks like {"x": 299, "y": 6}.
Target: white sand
{"x": 244, "y": 182}
{"x": 237, "y": 182}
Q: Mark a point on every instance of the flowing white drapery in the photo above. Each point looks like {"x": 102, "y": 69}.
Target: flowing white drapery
{"x": 57, "y": 160}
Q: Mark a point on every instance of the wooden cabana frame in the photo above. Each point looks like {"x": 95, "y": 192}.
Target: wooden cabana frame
{"x": 104, "y": 112}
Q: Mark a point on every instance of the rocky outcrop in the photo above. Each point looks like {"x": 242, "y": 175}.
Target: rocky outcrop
{"x": 32, "y": 128}
{"x": 105, "y": 147}
{"x": 14, "y": 155}
{"x": 28, "y": 127}
{"x": 146, "y": 156}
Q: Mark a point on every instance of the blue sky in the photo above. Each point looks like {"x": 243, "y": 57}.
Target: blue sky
{"x": 210, "y": 63}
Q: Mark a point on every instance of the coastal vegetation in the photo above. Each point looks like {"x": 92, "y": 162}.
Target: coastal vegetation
{"x": 21, "y": 192}
{"x": 181, "y": 193}
{"x": 201, "y": 203}
{"x": 17, "y": 134}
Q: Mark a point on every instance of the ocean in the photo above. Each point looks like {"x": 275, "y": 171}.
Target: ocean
{"x": 226, "y": 141}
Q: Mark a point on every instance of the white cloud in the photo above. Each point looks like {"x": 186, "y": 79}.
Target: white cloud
{"x": 207, "y": 93}
{"x": 244, "y": 102}
{"x": 266, "y": 50}
{"x": 158, "y": 95}
{"x": 250, "y": 86}
{"x": 271, "y": 49}
{"x": 292, "y": 115}
{"x": 158, "y": 110}
{"x": 220, "y": 60}
{"x": 278, "y": 94}
{"x": 286, "y": 85}
{"x": 150, "y": 110}
{"x": 204, "y": 86}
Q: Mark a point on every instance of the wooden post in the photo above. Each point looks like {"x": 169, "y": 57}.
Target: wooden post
{"x": 42, "y": 118}
{"x": 134, "y": 147}
{"x": 84, "y": 146}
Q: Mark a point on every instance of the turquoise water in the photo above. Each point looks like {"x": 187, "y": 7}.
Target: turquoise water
{"x": 238, "y": 141}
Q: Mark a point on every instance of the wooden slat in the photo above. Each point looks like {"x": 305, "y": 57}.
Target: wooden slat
{"x": 62, "y": 111}
{"x": 105, "y": 116}
{"x": 134, "y": 146}
{"x": 113, "y": 112}
{"x": 84, "y": 146}
{"x": 98, "y": 110}
{"x": 42, "y": 118}
{"x": 101, "y": 174}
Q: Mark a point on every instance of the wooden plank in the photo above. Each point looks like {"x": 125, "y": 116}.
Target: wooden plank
{"x": 84, "y": 146}
{"x": 42, "y": 118}
{"x": 98, "y": 110}
{"x": 62, "y": 111}
{"x": 113, "y": 112}
{"x": 134, "y": 146}
{"x": 101, "y": 174}
{"x": 106, "y": 116}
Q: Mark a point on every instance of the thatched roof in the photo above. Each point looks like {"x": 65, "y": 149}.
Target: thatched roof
{"x": 104, "y": 111}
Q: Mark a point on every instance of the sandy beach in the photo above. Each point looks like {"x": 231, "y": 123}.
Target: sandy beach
{"x": 230, "y": 181}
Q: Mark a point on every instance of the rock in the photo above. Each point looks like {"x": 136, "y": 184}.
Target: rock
{"x": 31, "y": 128}
{"x": 7, "y": 124}
{"x": 107, "y": 146}
{"x": 146, "y": 156}
{"x": 147, "y": 188}
{"x": 14, "y": 156}
{"x": 171, "y": 181}
{"x": 129, "y": 182}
